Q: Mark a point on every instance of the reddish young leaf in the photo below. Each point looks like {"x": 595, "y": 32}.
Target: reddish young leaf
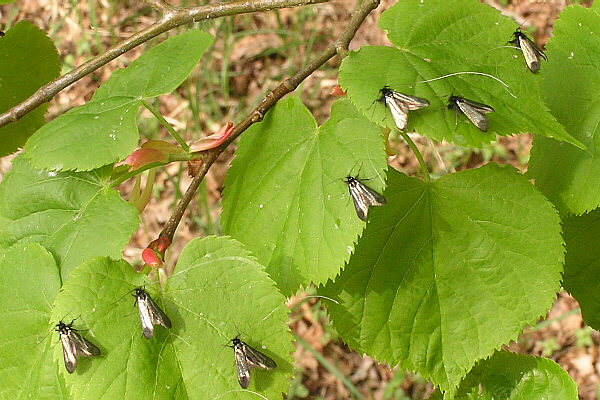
{"x": 214, "y": 140}
{"x": 146, "y": 156}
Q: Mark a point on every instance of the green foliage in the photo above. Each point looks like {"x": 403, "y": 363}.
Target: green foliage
{"x": 511, "y": 376}
{"x": 568, "y": 176}
{"x": 583, "y": 337}
{"x": 582, "y": 264}
{"x": 426, "y": 287}
{"x": 28, "y": 60}
{"x": 549, "y": 346}
{"x": 73, "y": 214}
{"x": 104, "y": 130}
{"x": 207, "y": 300}
{"x": 285, "y": 198}
{"x": 437, "y": 38}
{"x": 30, "y": 281}
{"x": 441, "y": 277}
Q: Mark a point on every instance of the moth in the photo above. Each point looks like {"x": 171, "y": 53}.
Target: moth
{"x": 531, "y": 52}
{"x": 74, "y": 345}
{"x": 473, "y": 110}
{"x": 363, "y": 197}
{"x": 246, "y": 358}
{"x": 150, "y": 313}
{"x": 400, "y": 104}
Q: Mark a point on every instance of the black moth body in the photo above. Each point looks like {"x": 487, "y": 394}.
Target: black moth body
{"x": 400, "y": 104}
{"x": 150, "y": 313}
{"x": 246, "y": 358}
{"x": 473, "y": 110}
{"x": 363, "y": 197}
{"x": 531, "y": 52}
{"x": 74, "y": 345}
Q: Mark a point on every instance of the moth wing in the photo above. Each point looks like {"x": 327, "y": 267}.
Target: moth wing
{"x": 537, "y": 49}
{"x": 364, "y": 197}
{"x": 411, "y": 102}
{"x": 83, "y": 346}
{"x": 399, "y": 112}
{"x": 145, "y": 316}
{"x": 372, "y": 197}
{"x": 477, "y": 117}
{"x": 360, "y": 203}
{"x": 530, "y": 54}
{"x": 157, "y": 315}
{"x": 241, "y": 365}
{"x": 257, "y": 359}
{"x": 69, "y": 352}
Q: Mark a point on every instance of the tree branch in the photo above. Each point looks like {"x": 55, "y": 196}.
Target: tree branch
{"x": 287, "y": 86}
{"x": 173, "y": 17}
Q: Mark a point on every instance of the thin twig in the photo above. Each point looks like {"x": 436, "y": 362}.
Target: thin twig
{"x": 287, "y": 86}
{"x": 173, "y": 18}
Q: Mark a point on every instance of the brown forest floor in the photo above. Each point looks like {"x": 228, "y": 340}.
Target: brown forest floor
{"x": 241, "y": 68}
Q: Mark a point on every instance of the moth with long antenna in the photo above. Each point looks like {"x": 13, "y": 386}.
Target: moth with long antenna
{"x": 473, "y": 110}
{"x": 150, "y": 313}
{"x": 74, "y": 345}
{"x": 246, "y": 358}
{"x": 363, "y": 197}
{"x": 400, "y": 104}
{"x": 531, "y": 52}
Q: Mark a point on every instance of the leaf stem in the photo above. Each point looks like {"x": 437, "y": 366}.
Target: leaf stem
{"x": 167, "y": 125}
{"x": 172, "y": 158}
{"x": 176, "y": 16}
{"x": 418, "y": 155}
{"x": 327, "y": 365}
{"x": 340, "y": 46}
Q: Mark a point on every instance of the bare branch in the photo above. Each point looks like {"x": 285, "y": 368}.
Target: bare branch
{"x": 287, "y": 86}
{"x": 171, "y": 19}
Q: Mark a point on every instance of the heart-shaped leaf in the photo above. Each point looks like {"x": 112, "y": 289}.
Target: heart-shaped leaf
{"x": 458, "y": 47}
{"x": 217, "y": 292}
{"x": 285, "y": 197}
{"x": 426, "y": 287}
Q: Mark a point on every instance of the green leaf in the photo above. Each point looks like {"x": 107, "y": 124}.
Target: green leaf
{"x": 217, "y": 291}
{"x": 438, "y": 38}
{"x": 285, "y": 198}
{"x": 160, "y": 70}
{"x": 74, "y": 215}
{"x": 30, "y": 282}
{"x": 220, "y": 290}
{"x": 21, "y": 74}
{"x": 570, "y": 177}
{"x": 426, "y": 287}
{"x": 104, "y": 130}
{"x": 86, "y": 137}
{"x": 582, "y": 264}
{"x": 510, "y": 376}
